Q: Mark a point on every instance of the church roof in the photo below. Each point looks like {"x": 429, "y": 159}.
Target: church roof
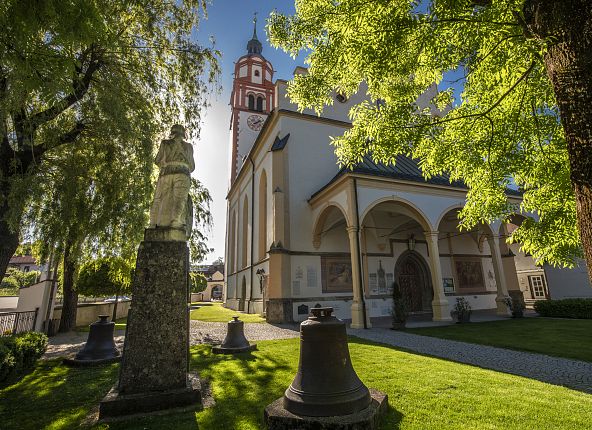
{"x": 404, "y": 168}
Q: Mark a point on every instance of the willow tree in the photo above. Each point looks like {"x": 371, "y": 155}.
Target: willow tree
{"x": 523, "y": 115}
{"x": 78, "y": 72}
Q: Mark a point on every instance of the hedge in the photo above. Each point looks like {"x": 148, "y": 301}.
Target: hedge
{"x": 19, "y": 352}
{"x": 566, "y": 308}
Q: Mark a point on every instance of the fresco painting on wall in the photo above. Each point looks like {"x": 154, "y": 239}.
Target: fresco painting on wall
{"x": 336, "y": 274}
{"x": 469, "y": 273}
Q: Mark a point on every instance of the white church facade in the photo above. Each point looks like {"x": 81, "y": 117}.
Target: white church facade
{"x": 302, "y": 232}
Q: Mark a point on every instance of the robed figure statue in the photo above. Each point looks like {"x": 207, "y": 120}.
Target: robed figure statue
{"x": 172, "y": 206}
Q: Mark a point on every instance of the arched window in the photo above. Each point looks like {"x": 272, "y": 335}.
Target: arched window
{"x": 262, "y": 242}
{"x": 260, "y": 104}
{"x": 257, "y": 73}
{"x": 251, "y": 102}
{"x": 244, "y": 233}
{"x": 232, "y": 247}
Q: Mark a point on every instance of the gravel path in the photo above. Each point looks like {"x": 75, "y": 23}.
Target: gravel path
{"x": 554, "y": 370}
{"x": 214, "y": 332}
{"x": 201, "y": 332}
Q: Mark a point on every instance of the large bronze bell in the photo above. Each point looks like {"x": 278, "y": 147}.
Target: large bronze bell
{"x": 235, "y": 340}
{"x": 326, "y": 383}
{"x": 100, "y": 344}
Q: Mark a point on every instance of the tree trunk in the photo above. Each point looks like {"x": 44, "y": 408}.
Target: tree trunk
{"x": 569, "y": 66}
{"x": 114, "y": 317}
{"x": 70, "y": 305}
{"x": 8, "y": 244}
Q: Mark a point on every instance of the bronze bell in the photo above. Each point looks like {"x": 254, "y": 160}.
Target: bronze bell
{"x": 326, "y": 383}
{"x": 235, "y": 340}
{"x": 100, "y": 344}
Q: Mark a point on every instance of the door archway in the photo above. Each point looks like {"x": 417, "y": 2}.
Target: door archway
{"x": 413, "y": 276}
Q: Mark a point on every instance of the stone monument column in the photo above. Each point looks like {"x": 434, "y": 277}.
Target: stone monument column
{"x": 154, "y": 372}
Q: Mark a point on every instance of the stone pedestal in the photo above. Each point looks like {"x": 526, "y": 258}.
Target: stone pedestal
{"x": 155, "y": 362}
{"x": 278, "y": 418}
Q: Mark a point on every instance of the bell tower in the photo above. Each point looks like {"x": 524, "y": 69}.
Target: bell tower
{"x": 251, "y": 100}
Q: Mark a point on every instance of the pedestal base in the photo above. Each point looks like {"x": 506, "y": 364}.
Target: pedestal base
{"x": 219, "y": 349}
{"x": 89, "y": 363}
{"x": 116, "y": 405}
{"x": 278, "y": 418}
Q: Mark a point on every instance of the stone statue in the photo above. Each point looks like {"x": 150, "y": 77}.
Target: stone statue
{"x": 172, "y": 208}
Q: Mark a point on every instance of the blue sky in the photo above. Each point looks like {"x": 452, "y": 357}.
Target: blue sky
{"x": 230, "y": 23}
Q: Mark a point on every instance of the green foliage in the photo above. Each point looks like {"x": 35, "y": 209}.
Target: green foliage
{"x": 202, "y": 221}
{"x": 16, "y": 279}
{"x": 502, "y": 128}
{"x": 566, "y": 308}
{"x": 105, "y": 276}
{"x": 400, "y": 311}
{"x": 198, "y": 282}
{"x": 86, "y": 89}
{"x": 19, "y": 352}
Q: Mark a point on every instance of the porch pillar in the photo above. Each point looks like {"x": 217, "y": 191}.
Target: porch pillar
{"x": 500, "y": 278}
{"x": 440, "y": 306}
{"x": 357, "y": 307}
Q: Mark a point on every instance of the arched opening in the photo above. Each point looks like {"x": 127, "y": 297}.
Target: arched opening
{"x": 332, "y": 219}
{"x": 262, "y": 242}
{"x": 395, "y": 249}
{"x": 257, "y": 73}
{"x": 244, "y": 233}
{"x": 260, "y": 104}
{"x": 216, "y": 292}
{"x": 466, "y": 258}
{"x": 232, "y": 248}
{"x": 413, "y": 277}
{"x": 243, "y": 295}
{"x": 251, "y": 103}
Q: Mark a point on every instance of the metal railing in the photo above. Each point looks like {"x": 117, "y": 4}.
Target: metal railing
{"x": 17, "y": 322}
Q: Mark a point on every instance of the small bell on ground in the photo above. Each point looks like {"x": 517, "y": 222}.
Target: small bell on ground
{"x": 235, "y": 340}
{"x": 326, "y": 392}
{"x": 100, "y": 347}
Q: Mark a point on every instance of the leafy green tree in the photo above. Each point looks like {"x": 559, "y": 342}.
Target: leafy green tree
{"x": 15, "y": 279}
{"x": 76, "y": 73}
{"x": 198, "y": 282}
{"x": 524, "y": 114}
{"x": 107, "y": 276}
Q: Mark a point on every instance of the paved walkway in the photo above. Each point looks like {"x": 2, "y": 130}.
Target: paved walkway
{"x": 553, "y": 370}
{"x": 65, "y": 344}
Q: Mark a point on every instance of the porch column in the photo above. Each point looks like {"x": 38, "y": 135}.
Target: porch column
{"x": 440, "y": 306}
{"x": 357, "y": 307}
{"x": 500, "y": 279}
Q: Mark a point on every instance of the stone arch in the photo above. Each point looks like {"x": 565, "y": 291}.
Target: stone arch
{"x": 262, "y": 233}
{"x": 446, "y": 211}
{"x": 322, "y": 218}
{"x": 418, "y": 214}
{"x": 413, "y": 275}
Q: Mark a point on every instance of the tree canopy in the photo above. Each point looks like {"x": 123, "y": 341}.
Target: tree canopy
{"x": 82, "y": 73}
{"x": 512, "y": 77}
{"x": 106, "y": 276}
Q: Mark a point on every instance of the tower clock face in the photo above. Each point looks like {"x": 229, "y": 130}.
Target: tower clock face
{"x": 255, "y": 122}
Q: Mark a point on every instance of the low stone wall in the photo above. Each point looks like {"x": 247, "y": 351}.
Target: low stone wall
{"x": 88, "y": 313}
{"x": 8, "y": 303}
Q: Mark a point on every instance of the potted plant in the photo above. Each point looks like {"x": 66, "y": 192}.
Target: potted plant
{"x": 462, "y": 310}
{"x": 516, "y": 305}
{"x": 400, "y": 310}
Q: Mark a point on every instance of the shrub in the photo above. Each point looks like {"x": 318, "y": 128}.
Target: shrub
{"x": 19, "y": 352}
{"x": 566, "y": 308}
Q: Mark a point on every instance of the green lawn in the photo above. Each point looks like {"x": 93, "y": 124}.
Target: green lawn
{"x": 120, "y": 324}
{"x": 215, "y": 312}
{"x": 557, "y": 337}
{"x": 424, "y": 393}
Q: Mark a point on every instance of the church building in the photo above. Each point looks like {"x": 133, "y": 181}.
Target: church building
{"x": 303, "y": 232}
